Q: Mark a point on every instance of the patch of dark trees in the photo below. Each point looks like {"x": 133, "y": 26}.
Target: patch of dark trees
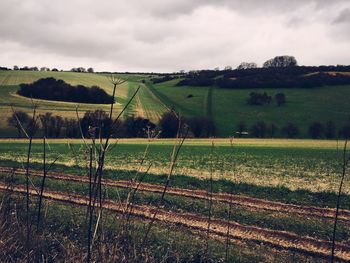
{"x": 197, "y": 126}
{"x": 294, "y": 77}
{"x": 163, "y": 78}
{"x": 27, "y": 68}
{"x": 256, "y": 98}
{"x": 275, "y": 79}
{"x": 95, "y": 124}
{"x": 316, "y": 130}
{"x": 58, "y": 90}
{"x": 279, "y": 72}
{"x": 82, "y": 70}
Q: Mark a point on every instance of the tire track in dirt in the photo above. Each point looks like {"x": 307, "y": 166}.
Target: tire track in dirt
{"x": 237, "y": 200}
{"x": 218, "y": 228}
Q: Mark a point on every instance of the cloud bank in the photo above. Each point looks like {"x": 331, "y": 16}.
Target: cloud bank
{"x": 171, "y": 35}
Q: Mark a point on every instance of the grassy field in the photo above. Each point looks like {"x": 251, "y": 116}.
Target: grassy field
{"x": 308, "y": 165}
{"x": 299, "y": 172}
{"x": 228, "y": 107}
{"x": 145, "y": 103}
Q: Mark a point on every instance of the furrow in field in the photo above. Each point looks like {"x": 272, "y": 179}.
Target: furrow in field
{"x": 218, "y": 228}
{"x": 237, "y": 200}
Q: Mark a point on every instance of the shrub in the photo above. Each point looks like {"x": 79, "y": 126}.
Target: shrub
{"x": 330, "y": 130}
{"x": 52, "y": 125}
{"x": 290, "y": 130}
{"x": 137, "y": 127}
{"x": 168, "y": 125}
{"x": 316, "y": 130}
{"x": 95, "y": 123}
{"x": 271, "y": 130}
{"x": 259, "y": 129}
{"x": 201, "y": 126}
{"x": 256, "y": 98}
{"x": 17, "y": 119}
{"x": 241, "y": 127}
{"x": 345, "y": 130}
{"x": 281, "y": 62}
{"x": 280, "y": 99}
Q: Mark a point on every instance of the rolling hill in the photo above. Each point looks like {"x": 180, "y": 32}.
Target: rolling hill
{"x": 145, "y": 103}
{"x": 226, "y": 107}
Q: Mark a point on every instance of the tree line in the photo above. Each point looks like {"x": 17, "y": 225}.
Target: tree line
{"x": 316, "y": 130}
{"x": 94, "y": 124}
{"x": 97, "y": 123}
{"x": 35, "y": 68}
{"x": 58, "y": 90}
{"x": 278, "y": 72}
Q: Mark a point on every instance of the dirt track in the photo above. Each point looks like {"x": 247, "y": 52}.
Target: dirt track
{"x": 218, "y": 229}
{"x": 237, "y": 200}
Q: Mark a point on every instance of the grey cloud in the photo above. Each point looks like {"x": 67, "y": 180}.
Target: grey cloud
{"x": 344, "y": 17}
{"x": 168, "y": 35}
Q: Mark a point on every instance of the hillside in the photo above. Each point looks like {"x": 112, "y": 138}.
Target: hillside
{"x": 227, "y": 107}
{"x": 145, "y": 103}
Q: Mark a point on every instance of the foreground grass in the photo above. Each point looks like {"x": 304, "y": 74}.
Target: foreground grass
{"x": 63, "y": 238}
{"x": 272, "y": 220}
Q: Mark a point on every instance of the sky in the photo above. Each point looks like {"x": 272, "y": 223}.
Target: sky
{"x": 171, "y": 35}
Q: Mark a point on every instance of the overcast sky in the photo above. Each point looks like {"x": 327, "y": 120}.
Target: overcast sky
{"x": 171, "y": 35}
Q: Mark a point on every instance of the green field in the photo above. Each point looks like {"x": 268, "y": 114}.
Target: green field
{"x": 228, "y": 107}
{"x": 300, "y": 172}
{"x": 225, "y": 107}
{"x": 308, "y": 165}
{"x": 145, "y": 103}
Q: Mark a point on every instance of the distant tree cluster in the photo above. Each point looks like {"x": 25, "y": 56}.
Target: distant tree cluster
{"x": 26, "y": 68}
{"x": 92, "y": 125}
{"x": 58, "y": 90}
{"x": 198, "y": 126}
{"x": 256, "y": 98}
{"x": 201, "y": 127}
{"x": 21, "y": 120}
{"x": 97, "y": 123}
{"x": 278, "y": 72}
{"x": 262, "y": 129}
{"x": 328, "y": 130}
{"x": 271, "y": 78}
{"x": 281, "y": 62}
{"x": 247, "y": 65}
{"x": 161, "y": 79}
{"x": 82, "y": 70}
{"x": 317, "y": 130}
{"x": 202, "y": 79}
{"x": 280, "y": 99}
